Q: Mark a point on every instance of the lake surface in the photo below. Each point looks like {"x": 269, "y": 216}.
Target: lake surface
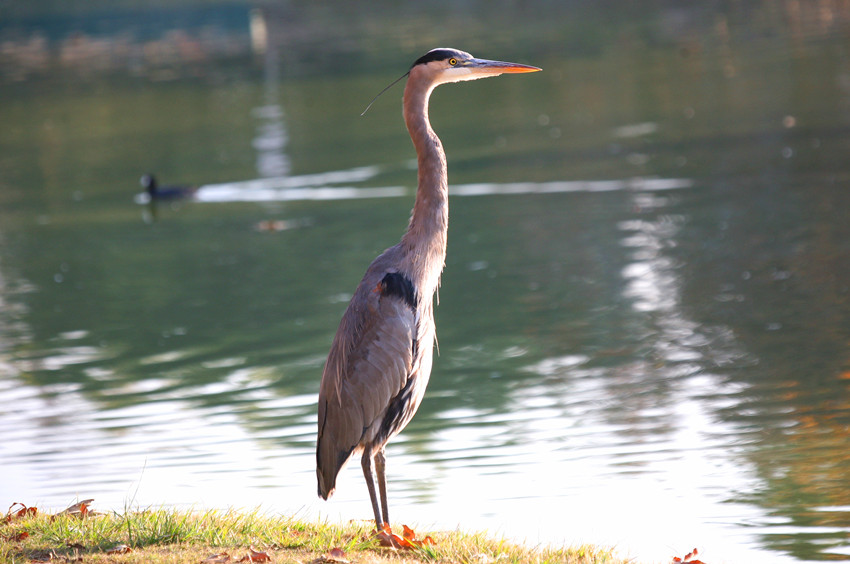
{"x": 644, "y": 318}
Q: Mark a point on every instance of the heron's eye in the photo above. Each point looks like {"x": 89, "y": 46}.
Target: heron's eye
{"x": 453, "y": 61}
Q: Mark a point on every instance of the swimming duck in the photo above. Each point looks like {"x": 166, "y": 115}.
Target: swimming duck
{"x": 157, "y": 192}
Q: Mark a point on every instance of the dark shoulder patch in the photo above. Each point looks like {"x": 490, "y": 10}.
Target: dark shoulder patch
{"x": 435, "y": 55}
{"x": 395, "y": 284}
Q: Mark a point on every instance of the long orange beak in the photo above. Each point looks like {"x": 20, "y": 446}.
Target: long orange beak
{"x": 500, "y": 66}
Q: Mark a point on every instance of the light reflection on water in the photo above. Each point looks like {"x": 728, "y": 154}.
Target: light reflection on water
{"x": 320, "y": 187}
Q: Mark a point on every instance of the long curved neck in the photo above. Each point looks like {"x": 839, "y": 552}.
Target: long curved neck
{"x": 425, "y": 239}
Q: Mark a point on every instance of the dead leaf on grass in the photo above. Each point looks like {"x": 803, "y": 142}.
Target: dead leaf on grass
{"x": 16, "y": 512}
{"x": 23, "y": 535}
{"x": 410, "y": 536}
{"x": 690, "y": 558}
{"x": 219, "y": 558}
{"x": 333, "y": 556}
{"x": 255, "y": 555}
{"x": 79, "y": 509}
{"x": 119, "y": 549}
{"x": 407, "y": 541}
{"x": 336, "y": 555}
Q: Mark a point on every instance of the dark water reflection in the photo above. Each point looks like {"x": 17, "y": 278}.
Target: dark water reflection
{"x": 643, "y": 322}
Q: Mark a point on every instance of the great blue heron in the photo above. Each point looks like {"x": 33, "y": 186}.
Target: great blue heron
{"x": 380, "y": 360}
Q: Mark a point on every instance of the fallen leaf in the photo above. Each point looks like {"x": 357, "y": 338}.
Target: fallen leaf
{"x": 391, "y": 540}
{"x": 410, "y": 536}
{"x": 689, "y": 558}
{"x": 336, "y": 555}
{"x": 80, "y": 508}
{"x": 119, "y": 549}
{"x": 15, "y": 513}
{"x": 18, "y": 537}
{"x": 255, "y": 555}
{"x": 407, "y": 541}
{"x": 219, "y": 558}
{"x": 333, "y": 556}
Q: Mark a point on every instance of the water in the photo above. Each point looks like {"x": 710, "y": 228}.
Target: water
{"x": 643, "y": 321}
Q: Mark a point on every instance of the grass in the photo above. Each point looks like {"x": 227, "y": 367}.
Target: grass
{"x": 172, "y": 536}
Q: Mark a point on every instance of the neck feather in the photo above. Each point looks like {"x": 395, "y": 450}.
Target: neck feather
{"x": 425, "y": 239}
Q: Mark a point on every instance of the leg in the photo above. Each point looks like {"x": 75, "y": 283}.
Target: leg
{"x": 366, "y": 463}
{"x": 380, "y": 465}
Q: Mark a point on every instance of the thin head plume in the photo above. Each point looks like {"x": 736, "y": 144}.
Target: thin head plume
{"x": 393, "y": 83}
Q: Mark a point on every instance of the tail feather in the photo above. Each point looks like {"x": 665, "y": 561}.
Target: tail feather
{"x": 325, "y": 475}
{"x": 328, "y": 467}
{"x": 326, "y": 470}
{"x": 325, "y": 492}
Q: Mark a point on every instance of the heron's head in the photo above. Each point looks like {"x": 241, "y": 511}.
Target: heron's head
{"x": 452, "y": 65}
{"x": 439, "y": 66}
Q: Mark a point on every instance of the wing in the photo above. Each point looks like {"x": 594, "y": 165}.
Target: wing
{"x": 369, "y": 363}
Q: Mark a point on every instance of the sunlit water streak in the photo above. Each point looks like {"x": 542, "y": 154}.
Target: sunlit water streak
{"x": 321, "y": 187}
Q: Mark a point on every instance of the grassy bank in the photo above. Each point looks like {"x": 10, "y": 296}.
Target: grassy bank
{"x": 165, "y": 535}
